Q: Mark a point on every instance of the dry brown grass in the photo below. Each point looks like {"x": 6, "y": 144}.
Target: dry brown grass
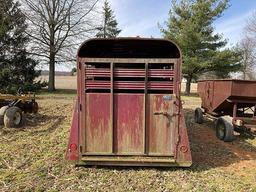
{"x": 32, "y": 158}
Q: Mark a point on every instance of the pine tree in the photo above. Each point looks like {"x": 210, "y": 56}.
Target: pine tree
{"x": 190, "y": 24}
{"x": 109, "y": 27}
{"x": 16, "y": 68}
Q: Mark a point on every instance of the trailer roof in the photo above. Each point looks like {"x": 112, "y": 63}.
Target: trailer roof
{"x": 129, "y": 48}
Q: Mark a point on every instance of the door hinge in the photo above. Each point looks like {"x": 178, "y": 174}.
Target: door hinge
{"x": 80, "y": 107}
{"x": 178, "y": 140}
{"x": 79, "y": 65}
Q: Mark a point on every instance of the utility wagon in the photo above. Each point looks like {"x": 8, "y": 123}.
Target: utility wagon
{"x": 232, "y": 103}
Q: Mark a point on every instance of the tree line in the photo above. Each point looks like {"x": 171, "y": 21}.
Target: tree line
{"x": 48, "y": 32}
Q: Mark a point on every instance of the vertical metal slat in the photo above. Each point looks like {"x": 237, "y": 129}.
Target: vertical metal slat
{"x": 82, "y": 114}
{"x": 112, "y": 106}
{"x": 146, "y": 134}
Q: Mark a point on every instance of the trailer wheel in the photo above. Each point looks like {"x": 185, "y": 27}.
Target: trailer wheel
{"x": 198, "y": 116}
{"x": 13, "y": 117}
{"x": 224, "y": 130}
{"x": 2, "y": 112}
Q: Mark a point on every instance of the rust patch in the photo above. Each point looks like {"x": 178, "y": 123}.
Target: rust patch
{"x": 98, "y": 123}
{"x": 129, "y": 123}
{"x": 161, "y": 126}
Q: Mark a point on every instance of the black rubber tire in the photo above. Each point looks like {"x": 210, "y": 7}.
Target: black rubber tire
{"x": 198, "y": 116}
{"x": 2, "y": 113}
{"x": 13, "y": 117}
{"x": 224, "y": 130}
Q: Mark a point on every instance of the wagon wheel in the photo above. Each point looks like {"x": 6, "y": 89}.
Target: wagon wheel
{"x": 224, "y": 130}
{"x": 198, "y": 116}
{"x": 13, "y": 117}
{"x": 2, "y": 112}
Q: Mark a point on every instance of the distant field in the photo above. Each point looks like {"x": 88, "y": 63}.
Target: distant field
{"x": 69, "y": 82}
{"x": 63, "y": 82}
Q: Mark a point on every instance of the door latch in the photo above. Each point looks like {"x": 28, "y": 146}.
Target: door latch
{"x": 167, "y": 115}
{"x": 164, "y": 114}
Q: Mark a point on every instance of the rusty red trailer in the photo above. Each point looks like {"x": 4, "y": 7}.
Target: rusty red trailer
{"x": 128, "y": 109}
{"x": 231, "y": 102}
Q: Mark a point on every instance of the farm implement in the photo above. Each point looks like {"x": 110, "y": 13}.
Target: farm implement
{"x": 232, "y": 103}
{"x": 13, "y": 107}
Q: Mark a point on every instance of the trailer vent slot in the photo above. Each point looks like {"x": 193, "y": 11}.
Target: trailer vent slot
{"x": 129, "y": 77}
{"x": 97, "y": 77}
{"x": 161, "y": 66}
{"x": 160, "y": 78}
{"x": 130, "y": 66}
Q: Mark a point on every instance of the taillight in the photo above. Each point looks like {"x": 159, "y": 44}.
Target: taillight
{"x": 72, "y": 147}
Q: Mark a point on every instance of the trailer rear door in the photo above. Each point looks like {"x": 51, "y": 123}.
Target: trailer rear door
{"x": 128, "y": 107}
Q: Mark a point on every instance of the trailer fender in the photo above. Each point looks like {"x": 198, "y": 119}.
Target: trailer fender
{"x": 72, "y": 152}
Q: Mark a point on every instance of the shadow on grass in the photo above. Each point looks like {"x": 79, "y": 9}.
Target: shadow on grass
{"x": 33, "y": 120}
{"x": 210, "y": 152}
{"x": 133, "y": 168}
{"x": 32, "y": 124}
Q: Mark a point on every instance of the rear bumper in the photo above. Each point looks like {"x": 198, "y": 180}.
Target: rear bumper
{"x": 132, "y": 161}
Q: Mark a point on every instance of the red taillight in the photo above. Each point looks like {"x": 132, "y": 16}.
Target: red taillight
{"x": 183, "y": 149}
{"x": 73, "y": 147}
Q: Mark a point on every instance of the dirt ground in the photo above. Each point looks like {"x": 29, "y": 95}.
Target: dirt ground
{"x": 32, "y": 158}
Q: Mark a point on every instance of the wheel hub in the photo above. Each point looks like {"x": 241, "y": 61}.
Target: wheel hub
{"x": 17, "y": 118}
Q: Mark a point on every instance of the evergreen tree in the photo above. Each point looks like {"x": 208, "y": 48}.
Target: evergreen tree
{"x": 190, "y": 24}
{"x": 109, "y": 27}
{"x": 16, "y": 68}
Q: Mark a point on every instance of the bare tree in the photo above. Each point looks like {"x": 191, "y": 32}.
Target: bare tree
{"x": 248, "y": 50}
{"x": 56, "y": 26}
{"x": 251, "y": 26}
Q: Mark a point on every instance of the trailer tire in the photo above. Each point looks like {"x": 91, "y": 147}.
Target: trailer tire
{"x": 224, "y": 130}
{"x": 198, "y": 116}
{"x": 2, "y": 113}
{"x": 13, "y": 117}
